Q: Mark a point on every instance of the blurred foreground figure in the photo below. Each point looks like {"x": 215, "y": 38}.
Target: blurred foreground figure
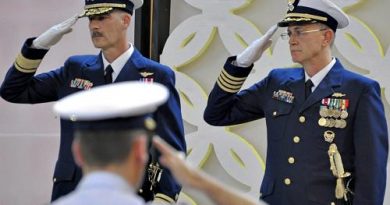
{"x": 112, "y": 132}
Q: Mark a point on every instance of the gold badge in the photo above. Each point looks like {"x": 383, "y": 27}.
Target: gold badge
{"x": 146, "y": 74}
{"x": 338, "y": 95}
{"x": 329, "y": 136}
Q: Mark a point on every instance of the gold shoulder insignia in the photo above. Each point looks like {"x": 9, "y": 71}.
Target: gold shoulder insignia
{"x": 146, "y": 74}
{"x": 338, "y": 95}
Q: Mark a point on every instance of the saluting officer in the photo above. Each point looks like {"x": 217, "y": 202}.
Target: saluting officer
{"x": 118, "y": 61}
{"x": 326, "y": 128}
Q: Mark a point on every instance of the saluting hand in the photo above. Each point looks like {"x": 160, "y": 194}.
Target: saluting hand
{"x": 54, "y": 34}
{"x": 175, "y": 162}
{"x": 254, "y": 51}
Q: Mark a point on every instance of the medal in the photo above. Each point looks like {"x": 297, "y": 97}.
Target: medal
{"x": 344, "y": 114}
{"x": 336, "y": 113}
{"x": 332, "y": 123}
{"x": 327, "y": 123}
{"x": 343, "y": 124}
{"x": 330, "y": 112}
{"x": 337, "y": 124}
{"x": 323, "y": 111}
{"x": 322, "y": 122}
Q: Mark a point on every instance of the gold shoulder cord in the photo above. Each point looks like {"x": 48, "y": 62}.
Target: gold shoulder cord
{"x": 337, "y": 168}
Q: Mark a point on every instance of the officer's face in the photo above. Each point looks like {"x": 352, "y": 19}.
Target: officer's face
{"x": 306, "y": 42}
{"x": 109, "y": 30}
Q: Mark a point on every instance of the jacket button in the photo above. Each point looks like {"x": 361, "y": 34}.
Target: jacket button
{"x": 296, "y": 139}
{"x": 291, "y": 160}
{"x": 302, "y": 119}
{"x": 332, "y": 203}
{"x": 274, "y": 113}
{"x": 54, "y": 179}
{"x": 287, "y": 181}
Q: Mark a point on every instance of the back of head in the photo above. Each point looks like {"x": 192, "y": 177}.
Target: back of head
{"x": 108, "y": 118}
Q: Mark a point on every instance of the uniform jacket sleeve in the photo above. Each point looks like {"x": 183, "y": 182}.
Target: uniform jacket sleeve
{"x": 21, "y": 85}
{"x": 371, "y": 147}
{"x": 228, "y": 105}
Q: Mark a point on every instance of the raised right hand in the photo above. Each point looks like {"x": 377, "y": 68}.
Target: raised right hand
{"x": 54, "y": 34}
{"x": 254, "y": 51}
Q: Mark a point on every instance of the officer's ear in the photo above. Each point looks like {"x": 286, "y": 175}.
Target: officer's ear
{"x": 76, "y": 150}
{"x": 126, "y": 19}
{"x": 328, "y": 37}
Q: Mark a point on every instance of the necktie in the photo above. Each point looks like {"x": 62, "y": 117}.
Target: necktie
{"x": 108, "y": 74}
{"x": 308, "y": 86}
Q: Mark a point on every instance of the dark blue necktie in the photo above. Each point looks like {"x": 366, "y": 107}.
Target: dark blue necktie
{"x": 108, "y": 75}
{"x": 308, "y": 86}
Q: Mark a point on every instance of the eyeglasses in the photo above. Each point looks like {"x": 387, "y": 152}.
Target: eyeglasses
{"x": 298, "y": 33}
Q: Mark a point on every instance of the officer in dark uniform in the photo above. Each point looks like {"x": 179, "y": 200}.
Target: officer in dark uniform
{"x": 326, "y": 128}
{"x": 118, "y": 61}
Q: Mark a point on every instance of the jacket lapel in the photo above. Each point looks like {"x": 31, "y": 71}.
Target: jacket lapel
{"x": 296, "y": 85}
{"x": 131, "y": 69}
{"x": 327, "y": 86}
{"x": 94, "y": 70}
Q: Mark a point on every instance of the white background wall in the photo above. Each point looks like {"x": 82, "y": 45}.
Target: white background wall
{"x": 29, "y": 133}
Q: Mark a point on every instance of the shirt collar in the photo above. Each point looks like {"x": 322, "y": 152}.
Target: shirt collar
{"x": 318, "y": 77}
{"x": 104, "y": 179}
{"x": 119, "y": 62}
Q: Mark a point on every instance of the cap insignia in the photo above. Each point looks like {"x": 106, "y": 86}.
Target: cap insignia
{"x": 291, "y": 5}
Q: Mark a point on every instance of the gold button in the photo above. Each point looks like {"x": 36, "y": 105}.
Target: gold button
{"x": 302, "y": 119}
{"x": 287, "y": 181}
{"x": 297, "y": 139}
{"x": 274, "y": 113}
{"x": 291, "y": 160}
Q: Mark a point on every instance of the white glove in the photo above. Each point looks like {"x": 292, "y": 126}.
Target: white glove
{"x": 54, "y": 34}
{"x": 254, "y": 51}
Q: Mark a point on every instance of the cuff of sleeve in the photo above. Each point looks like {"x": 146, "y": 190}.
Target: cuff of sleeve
{"x": 232, "y": 77}
{"x": 165, "y": 198}
{"x": 29, "y": 59}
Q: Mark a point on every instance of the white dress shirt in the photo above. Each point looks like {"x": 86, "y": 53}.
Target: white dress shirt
{"x": 119, "y": 62}
{"x": 318, "y": 77}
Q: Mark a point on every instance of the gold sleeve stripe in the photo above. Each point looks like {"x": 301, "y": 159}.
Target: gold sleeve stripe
{"x": 164, "y": 197}
{"x": 24, "y": 70}
{"x": 232, "y": 77}
{"x": 230, "y": 86}
{"x": 222, "y": 77}
{"x": 26, "y": 65}
{"x": 227, "y": 88}
{"x": 309, "y": 16}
